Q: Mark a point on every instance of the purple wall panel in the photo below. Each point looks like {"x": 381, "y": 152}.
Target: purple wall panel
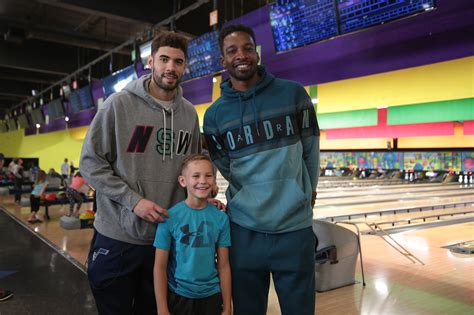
{"x": 139, "y": 69}
{"x": 435, "y": 36}
{"x": 97, "y": 91}
{"x": 198, "y": 91}
{"x": 82, "y": 118}
{"x": 53, "y": 125}
{"x": 30, "y": 131}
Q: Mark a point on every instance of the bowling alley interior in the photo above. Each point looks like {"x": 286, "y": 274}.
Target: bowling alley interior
{"x": 392, "y": 85}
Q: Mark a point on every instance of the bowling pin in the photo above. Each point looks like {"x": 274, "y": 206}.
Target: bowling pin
{"x": 411, "y": 177}
{"x": 470, "y": 179}
{"x": 466, "y": 179}
{"x": 406, "y": 175}
{"x": 460, "y": 179}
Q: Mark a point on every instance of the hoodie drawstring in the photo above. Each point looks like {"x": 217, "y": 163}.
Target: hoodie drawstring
{"x": 172, "y": 132}
{"x": 164, "y": 127}
{"x": 255, "y": 116}
{"x": 241, "y": 114}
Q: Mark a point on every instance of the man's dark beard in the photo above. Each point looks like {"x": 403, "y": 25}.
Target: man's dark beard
{"x": 159, "y": 81}
{"x": 242, "y": 76}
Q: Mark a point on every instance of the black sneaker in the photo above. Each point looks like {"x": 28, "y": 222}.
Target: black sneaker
{"x": 5, "y": 295}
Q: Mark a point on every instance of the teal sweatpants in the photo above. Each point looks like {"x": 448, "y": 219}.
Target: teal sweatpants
{"x": 288, "y": 257}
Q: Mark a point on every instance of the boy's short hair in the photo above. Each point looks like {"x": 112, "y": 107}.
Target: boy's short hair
{"x": 169, "y": 39}
{"x": 234, "y": 28}
{"x": 193, "y": 158}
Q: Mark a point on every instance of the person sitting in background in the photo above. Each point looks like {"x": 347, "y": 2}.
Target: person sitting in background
{"x": 17, "y": 171}
{"x": 55, "y": 176}
{"x": 74, "y": 195}
{"x": 35, "y": 197}
{"x": 2, "y": 161}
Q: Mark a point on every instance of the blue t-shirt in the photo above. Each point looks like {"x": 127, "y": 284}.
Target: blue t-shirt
{"x": 192, "y": 237}
{"x": 37, "y": 188}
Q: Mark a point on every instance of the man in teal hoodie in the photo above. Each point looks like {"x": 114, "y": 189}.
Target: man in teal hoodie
{"x": 132, "y": 156}
{"x": 263, "y": 137}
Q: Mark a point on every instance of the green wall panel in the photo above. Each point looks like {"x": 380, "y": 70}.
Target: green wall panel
{"x": 313, "y": 91}
{"x": 453, "y": 110}
{"x": 356, "y": 118}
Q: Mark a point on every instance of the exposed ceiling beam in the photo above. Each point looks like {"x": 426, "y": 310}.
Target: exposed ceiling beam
{"x": 38, "y": 57}
{"x": 30, "y": 79}
{"x": 126, "y": 11}
{"x": 72, "y": 38}
{"x": 75, "y": 40}
{"x": 12, "y": 88}
{"x": 166, "y": 21}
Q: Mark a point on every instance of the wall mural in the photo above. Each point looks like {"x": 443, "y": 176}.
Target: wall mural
{"x": 418, "y": 161}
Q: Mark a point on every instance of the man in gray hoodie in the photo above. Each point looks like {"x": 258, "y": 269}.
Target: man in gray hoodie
{"x": 132, "y": 156}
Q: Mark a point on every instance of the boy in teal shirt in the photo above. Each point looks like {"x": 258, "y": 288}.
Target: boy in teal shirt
{"x": 187, "y": 278}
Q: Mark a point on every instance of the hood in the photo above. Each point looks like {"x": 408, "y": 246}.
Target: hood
{"x": 229, "y": 92}
{"x": 139, "y": 88}
{"x": 265, "y": 79}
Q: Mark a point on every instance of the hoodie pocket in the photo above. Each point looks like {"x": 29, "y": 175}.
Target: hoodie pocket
{"x": 160, "y": 192}
{"x": 269, "y": 204}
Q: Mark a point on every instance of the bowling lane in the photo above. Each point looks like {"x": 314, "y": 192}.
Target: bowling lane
{"x": 399, "y": 196}
{"x": 353, "y": 192}
{"x": 381, "y": 186}
{"x": 373, "y": 206}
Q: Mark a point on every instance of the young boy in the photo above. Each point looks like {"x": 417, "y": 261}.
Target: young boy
{"x": 185, "y": 274}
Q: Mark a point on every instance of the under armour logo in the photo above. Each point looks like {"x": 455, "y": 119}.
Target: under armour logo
{"x": 198, "y": 235}
{"x": 101, "y": 251}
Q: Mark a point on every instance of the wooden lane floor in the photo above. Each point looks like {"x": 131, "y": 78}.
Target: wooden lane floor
{"x": 42, "y": 281}
{"x": 394, "y": 284}
{"x": 349, "y": 192}
{"x": 75, "y": 243}
{"x": 444, "y": 285}
{"x": 364, "y": 204}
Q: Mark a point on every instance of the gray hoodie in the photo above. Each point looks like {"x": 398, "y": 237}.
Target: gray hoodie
{"x": 133, "y": 150}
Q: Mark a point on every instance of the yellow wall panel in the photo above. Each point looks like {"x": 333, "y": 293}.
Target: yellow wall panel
{"x": 353, "y": 144}
{"x": 50, "y": 148}
{"x": 436, "y": 82}
{"x": 458, "y": 140}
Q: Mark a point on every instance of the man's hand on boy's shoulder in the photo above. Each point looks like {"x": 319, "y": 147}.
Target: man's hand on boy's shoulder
{"x": 150, "y": 211}
{"x": 217, "y": 203}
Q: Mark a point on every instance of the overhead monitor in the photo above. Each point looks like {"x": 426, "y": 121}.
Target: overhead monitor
{"x": 358, "y": 14}
{"x": 22, "y": 121}
{"x": 66, "y": 91}
{"x": 297, "y": 23}
{"x": 145, "y": 52}
{"x": 203, "y": 56}
{"x": 118, "y": 80}
{"x": 55, "y": 109}
{"x": 81, "y": 99}
{"x": 74, "y": 102}
{"x": 11, "y": 124}
{"x": 37, "y": 116}
{"x": 85, "y": 95}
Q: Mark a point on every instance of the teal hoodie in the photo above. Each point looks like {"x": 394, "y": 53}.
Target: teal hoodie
{"x": 265, "y": 142}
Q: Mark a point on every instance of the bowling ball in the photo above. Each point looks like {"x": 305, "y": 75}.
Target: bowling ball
{"x": 88, "y": 214}
{"x": 50, "y": 197}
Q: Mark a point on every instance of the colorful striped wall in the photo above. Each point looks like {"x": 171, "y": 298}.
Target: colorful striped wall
{"x": 429, "y": 106}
